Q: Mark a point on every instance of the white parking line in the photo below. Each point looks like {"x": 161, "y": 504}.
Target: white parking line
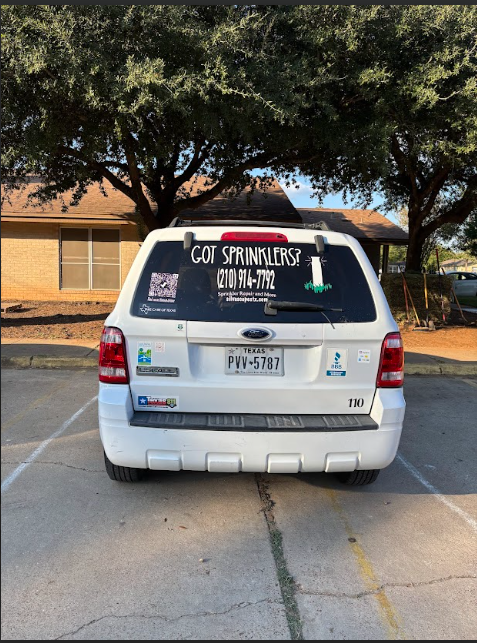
{"x": 8, "y": 481}
{"x": 437, "y": 494}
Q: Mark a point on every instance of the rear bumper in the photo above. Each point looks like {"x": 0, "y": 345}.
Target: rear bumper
{"x": 173, "y": 449}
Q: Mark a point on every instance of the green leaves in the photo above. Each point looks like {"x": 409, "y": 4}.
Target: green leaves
{"x": 359, "y": 98}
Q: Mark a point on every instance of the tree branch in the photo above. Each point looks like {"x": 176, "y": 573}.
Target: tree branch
{"x": 167, "y": 170}
{"x": 116, "y": 164}
{"x": 199, "y": 156}
{"x": 259, "y": 161}
{"x": 458, "y": 213}
{"x": 136, "y": 183}
{"x": 403, "y": 166}
{"x": 431, "y": 192}
{"x": 100, "y": 168}
{"x": 438, "y": 179}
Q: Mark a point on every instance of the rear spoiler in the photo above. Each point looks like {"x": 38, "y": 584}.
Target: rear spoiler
{"x": 189, "y": 236}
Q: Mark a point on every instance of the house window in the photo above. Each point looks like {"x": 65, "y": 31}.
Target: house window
{"x": 90, "y": 259}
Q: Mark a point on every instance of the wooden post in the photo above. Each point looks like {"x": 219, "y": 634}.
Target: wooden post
{"x": 385, "y": 259}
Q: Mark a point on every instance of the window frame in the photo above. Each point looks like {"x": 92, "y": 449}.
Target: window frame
{"x": 90, "y": 258}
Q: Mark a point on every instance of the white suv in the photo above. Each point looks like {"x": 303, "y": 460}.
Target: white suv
{"x": 244, "y": 346}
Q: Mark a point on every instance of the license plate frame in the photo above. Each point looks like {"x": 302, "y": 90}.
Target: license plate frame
{"x": 251, "y": 360}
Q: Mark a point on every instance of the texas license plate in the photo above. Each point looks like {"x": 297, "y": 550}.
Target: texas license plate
{"x": 253, "y": 360}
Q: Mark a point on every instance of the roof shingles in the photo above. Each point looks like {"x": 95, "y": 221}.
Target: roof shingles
{"x": 362, "y": 224}
{"x": 94, "y": 205}
{"x": 273, "y": 204}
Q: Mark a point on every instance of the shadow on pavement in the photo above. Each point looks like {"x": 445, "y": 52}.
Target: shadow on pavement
{"x": 459, "y": 356}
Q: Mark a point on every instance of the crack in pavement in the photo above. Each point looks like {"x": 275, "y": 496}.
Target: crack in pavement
{"x": 373, "y": 592}
{"x": 285, "y": 579}
{"x": 237, "y": 606}
{"x": 62, "y": 464}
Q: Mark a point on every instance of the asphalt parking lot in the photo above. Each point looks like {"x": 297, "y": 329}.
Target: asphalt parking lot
{"x": 212, "y": 556}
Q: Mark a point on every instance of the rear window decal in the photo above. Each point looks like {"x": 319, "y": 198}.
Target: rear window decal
{"x": 163, "y": 287}
{"x": 247, "y": 255}
{"x": 244, "y": 278}
{"x": 145, "y": 309}
{"x": 317, "y": 287}
{"x": 317, "y": 284}
{"x": 216, "y": 281}
{"x": 316, "y": 270}
{"x": 246, "y": 296}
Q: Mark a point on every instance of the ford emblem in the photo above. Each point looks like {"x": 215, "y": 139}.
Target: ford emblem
{"x": 256, "y": 334}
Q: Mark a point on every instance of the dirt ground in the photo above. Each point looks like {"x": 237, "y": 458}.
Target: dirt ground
{"x": 451, "y": 337}
{"x": 56, "y": 320}
{"x": 85, "y": 320}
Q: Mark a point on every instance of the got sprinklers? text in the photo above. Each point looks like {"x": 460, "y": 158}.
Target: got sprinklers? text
{"x": 247, "y": 256}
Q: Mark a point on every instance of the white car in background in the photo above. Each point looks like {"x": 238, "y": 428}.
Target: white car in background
{"x": 248, "y": 346}
{"x": 465, "y": 283}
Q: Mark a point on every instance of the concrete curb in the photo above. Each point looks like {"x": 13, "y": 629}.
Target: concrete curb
{"x": 460, "y": 369}
{"x": 45, "y": 361}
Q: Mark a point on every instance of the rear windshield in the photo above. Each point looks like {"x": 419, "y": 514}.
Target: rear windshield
{"x": 230, "y": 282}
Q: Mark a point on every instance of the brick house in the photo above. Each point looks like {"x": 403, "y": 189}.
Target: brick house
{"x": 459, "y": 265}
{"x": 81, "y": 255}
{"x": 85, "y": 253}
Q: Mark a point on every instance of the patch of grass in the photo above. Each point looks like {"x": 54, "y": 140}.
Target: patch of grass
{"x": 285, "y": 579}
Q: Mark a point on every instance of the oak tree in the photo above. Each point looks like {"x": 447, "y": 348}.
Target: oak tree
{"x": 145, "y": 98}
{"x": 413, "y": 71}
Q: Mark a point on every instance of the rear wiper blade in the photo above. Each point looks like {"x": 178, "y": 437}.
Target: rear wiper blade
{"x": 272, "y": 306}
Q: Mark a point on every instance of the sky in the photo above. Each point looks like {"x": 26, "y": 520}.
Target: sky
{"x": 301, "y": 198}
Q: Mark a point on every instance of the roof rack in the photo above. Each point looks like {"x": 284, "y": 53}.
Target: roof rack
{"x": 181, "y": 223}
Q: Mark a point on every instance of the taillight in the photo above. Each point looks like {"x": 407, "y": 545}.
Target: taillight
{"x": 113, "y": 368}
{"x": 276, "y": 237}
{"x": 391, "y": 365}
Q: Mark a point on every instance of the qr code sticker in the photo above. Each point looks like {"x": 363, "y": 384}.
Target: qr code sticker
{"x": 163, "y": 284}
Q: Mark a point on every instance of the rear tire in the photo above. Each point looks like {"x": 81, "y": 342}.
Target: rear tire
{"x": 122, "y": 474}
{"x": 358, "y": 478}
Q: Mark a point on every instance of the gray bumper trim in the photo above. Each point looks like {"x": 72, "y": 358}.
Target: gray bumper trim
{"x": 252, "y": 422}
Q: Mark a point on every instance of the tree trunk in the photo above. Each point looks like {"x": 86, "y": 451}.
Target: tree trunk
{"x": 151, "y": 222}
{"x": 164, "y": 217}
{"x": 167, "y": 215}
{"x": 414, "y": 249}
